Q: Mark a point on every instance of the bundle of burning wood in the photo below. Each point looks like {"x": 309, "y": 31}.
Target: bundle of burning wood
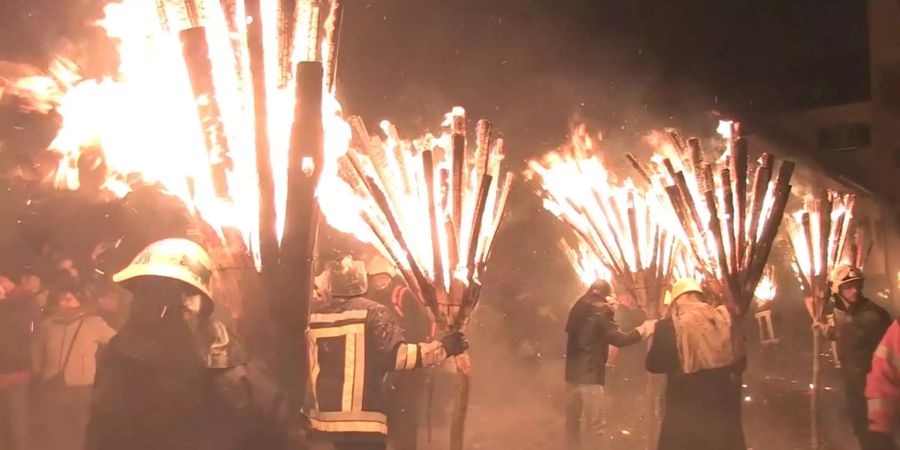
{"x": 727, "y": 218}
{"x": 820, "y": 240}
{"x": 430, "y": 205}
{"x": 623, "y": 233}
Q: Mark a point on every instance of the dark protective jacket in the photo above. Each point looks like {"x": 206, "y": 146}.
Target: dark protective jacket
{"x": 702, "y": 409}
{"x": 592, "y": 329}
{"x": 354, "y": 343}
{"x": 857, "y": 331}
{"x": 161, "y": 387}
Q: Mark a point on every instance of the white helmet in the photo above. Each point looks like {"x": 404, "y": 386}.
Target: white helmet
{"x": 347, "y": 278}
{"x": 843, "y": 274}
{"x": 179, "y": 259}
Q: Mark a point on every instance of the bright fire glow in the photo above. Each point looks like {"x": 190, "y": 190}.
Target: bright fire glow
{"x": 415, "y": 200}
{"x": 623, "y": 232}
{"x": 819, "y": 239}
{"x": 185, "y": 122}
{"x": 720, "y": 217}
{"x": 766, "y": 289}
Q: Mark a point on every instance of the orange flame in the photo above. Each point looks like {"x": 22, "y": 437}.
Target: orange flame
{"x": 145, "y": 120}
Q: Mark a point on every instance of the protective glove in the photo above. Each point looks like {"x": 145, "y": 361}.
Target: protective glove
{"x": 455, "y": 343}
{"x": 647, "y": 328}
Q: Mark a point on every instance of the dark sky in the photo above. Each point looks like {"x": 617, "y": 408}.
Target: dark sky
{"x": 535, "y": 66}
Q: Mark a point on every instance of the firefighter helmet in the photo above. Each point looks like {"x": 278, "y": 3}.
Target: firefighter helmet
{"x": 843, "y": 274}
{"x": 347, "y": 278}
{"x": 179, "y": 259}
{"x": 683, "y": 286}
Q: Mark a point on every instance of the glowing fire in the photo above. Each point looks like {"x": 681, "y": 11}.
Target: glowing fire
{"x": 818, "y": 236}
{"x": 418, "y": 201}
{"x": 727, "y": 211}
{"x": 587, "y": 266}
{"x": 180, "y": 113}
{"x": 623, "y": 232}
{"x": 766, "y": 289}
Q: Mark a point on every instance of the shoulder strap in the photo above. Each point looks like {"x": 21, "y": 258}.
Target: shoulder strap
{"x": 62, "y": 369}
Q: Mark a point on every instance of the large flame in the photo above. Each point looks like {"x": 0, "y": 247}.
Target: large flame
{"x": 623, "y": 232}
{"x": 818, "y": 236}
{"x": 382, "y": 192}
{"x": 179, "y": 112}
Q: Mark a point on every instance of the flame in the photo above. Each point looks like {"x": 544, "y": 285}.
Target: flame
{"x": 623, "y": 232}
{"x": 694, "y": 188}
{"x": 766, "y": 289}
{"x": 167, "y": 119}
{"x": 587, "y": 266}
{"x": 806, "y": 233}
{"x": 379, "y": 192}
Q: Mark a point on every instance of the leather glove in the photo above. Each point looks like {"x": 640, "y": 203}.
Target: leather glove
{"x": 455, "y": 343}
{"x": 647, "y": 328}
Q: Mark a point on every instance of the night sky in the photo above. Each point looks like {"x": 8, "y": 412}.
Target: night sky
{"x": 536, "y": 66}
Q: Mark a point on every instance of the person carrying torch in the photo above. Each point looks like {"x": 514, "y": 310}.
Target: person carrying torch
{"x": 354, "y": 342}
{"x": 859, "y": 325}
{"x": 174, "y": 378}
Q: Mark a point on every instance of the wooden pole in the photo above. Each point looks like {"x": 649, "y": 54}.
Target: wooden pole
{"x": 268, "y": 239}
{"x": 195, "y": 49}
{"x": 297, "y": 259}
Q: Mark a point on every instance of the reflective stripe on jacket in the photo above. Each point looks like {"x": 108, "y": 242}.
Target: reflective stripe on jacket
{"x": 883, "y": 382}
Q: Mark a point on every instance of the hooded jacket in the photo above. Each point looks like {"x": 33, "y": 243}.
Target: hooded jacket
{"x": 161, "y": 386}
{"x": 592, "y": 329}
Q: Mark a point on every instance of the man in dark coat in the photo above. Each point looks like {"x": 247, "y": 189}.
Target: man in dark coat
{"x": 174, "y": 378}
{"x": 592, "y": 329}
{"x": 859, "y": 325}
{"x": 700, "y": 350}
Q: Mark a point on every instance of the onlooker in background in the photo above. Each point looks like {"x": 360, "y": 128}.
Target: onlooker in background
{"x": 112, "y": 305}
{"x": 17, "y": 316}
{"x": 32, "y": 287}
{"x": 64, "y": 358}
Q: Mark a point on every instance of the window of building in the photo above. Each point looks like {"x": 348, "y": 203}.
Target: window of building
{"x": 844, "y": 137}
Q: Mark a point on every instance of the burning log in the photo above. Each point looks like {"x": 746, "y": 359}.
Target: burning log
{"x": 733, "y": 237}
{"x": 200, "y": 71}
{"x": 444, "y": 265}
{"x": 817, "y": 236}
{"x": 623, "y": 233}
{"x": 268, "y": 232}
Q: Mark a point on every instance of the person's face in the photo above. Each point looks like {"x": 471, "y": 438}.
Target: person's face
{"x": 67, "y": 266}
{"x": 68, "y": 301}
{"x": 31, "y": 283}
{"x": 380, "y": 281}
{"x": 851, "y": 292}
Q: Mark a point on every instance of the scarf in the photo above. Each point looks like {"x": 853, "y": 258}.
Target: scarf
{"x": 705, "y": 335}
